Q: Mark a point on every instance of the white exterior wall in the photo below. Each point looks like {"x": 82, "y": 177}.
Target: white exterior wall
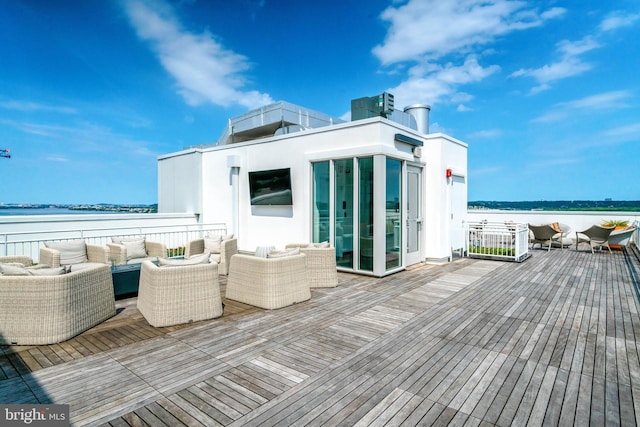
{"x": 180, "y": 184}
{"x": 277, "y": 226}
{"x": 446, "y": 199}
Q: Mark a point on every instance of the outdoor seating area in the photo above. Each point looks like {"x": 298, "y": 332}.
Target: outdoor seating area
{"x": 76, "y": 253}
{"x": 222, "y": 248}
{"x": 595, "y": 237}
{"x": 169, "y": 291}
{"x": 135, "y": 250}
{"x": 321, "y": 263}
{"x": 179, "y": 294}
{"x": 269, "y": 283}
{"x": 473, "y": 342}
{"x": 50, "y": 305}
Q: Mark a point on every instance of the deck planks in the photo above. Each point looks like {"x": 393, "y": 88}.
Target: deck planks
{"x": 550, "y": 341}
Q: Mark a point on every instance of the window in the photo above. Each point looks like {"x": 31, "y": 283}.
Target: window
{"x": 365, "y": 212}
{"x": 343, "y": 191}
{"x": 321, "y": 201}
{"x": 392, "y": 207}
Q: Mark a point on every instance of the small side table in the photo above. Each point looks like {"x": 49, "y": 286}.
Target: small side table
{"x": 126, "y": 279}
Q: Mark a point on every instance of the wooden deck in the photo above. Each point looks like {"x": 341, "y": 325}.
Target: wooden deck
{"x": 551, "y": 341}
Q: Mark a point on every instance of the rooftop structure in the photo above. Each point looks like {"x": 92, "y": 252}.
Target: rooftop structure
{"x": 380, "y": 188}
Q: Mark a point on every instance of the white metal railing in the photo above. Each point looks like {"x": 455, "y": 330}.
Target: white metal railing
{"x": 174, "y": 237}
{"x": 496, "y": 240}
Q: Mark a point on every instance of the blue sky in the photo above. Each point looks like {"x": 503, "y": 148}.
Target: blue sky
{"x": 546, "y": 93}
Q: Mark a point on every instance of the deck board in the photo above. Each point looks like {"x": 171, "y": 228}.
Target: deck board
{"x": 550, "y": 341}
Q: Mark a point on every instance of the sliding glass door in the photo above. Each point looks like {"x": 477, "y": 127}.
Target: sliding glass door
{"x": 358, "y": 202}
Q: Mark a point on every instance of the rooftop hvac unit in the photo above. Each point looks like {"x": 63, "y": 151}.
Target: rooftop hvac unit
{"x": 375, "y": 106}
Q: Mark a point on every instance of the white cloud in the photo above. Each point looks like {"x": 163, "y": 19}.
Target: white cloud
{"x": 84, "y": 137}
{"x": 623, "y": 133}
{"x": 435, "y": 82}
{"x": 56, "y": 158}
{"x": 569, "y": 65}
{"x": 205, "y": 71}
{"x": 618, "y": 19}
{"x": 603, "y": 101}
{"x": 30, "y": 106}
{"x": 434, "y": 28}
{"x": 606, "y": 100}
{"x": 487, "y": 133}
{"x": 424, "y": 31}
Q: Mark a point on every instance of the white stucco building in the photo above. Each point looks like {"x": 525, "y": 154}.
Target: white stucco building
{"x": 381, "y": 189}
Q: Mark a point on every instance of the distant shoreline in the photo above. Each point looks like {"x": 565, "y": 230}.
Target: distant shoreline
{"x": 560, "y": 205}
{"x": 7, "y": 210}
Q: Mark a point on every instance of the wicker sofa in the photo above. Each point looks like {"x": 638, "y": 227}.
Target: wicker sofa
{"x": 179, "y": 294}
{"x": 321, "y": 265}
{"x": 37, "y": 310}
{"x": 95, "y": 255}
{"x": 268, "y": 282}
{"x": 228, "y": 248}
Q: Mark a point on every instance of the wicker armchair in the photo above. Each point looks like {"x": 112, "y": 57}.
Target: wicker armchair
{"x": 179, "y": 294}
{"x": 119, "y": 256}
{"x": 268, "y": 282}
{"x": 321, "y": 265}
{"x": 228, "y": 248}
{"x": 38, "y": 310}
{"x": 95, "y": 255}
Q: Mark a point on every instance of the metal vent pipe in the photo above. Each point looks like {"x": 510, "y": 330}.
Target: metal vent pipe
{"x": 420, "y": 112}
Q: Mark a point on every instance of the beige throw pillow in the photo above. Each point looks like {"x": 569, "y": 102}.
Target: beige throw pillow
{"x": 213, "y": 244}
{"x": 283, "y": 254}
{"x": 71, "y": 251}
{"x": 14, "y": 270}
{"x": 193, "y": 260}
{"x": 55, "y": 271}
{"x": 135, "y": 249}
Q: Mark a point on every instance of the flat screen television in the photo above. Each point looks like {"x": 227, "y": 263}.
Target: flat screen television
{"x": 271, "y": 187}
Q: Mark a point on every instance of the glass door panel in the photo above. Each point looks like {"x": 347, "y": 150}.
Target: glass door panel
{"x": 365, "y": 213}
{"x": 321, "y": 195}
{"x": 343, "y": 213}
{"x": 392, "y": 221}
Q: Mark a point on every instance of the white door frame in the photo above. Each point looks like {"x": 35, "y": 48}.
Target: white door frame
{"x": 414, "y": 216}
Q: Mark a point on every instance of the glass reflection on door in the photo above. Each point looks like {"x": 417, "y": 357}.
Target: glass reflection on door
{"x": 343, "y": 193}
{"x": 365, "y": 213}
{"x": 392, "y": 221}
{"x": 321, "y": 196}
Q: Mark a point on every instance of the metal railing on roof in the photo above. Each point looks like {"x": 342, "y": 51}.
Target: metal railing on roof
{"x": 496, "y": 240}
{"x": 173, "y": 236}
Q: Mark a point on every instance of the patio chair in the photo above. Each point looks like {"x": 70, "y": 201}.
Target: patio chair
{"x": 135, "y": 250}
{"x": 268, "y": 283}
{"x": 177, "y": 294}
{"x": 545, "y": 235}
{"x": 321, "y": 264}
{"x": 225, "y": 248}
{"x": 75, "y": 253}
{"x": 47, "y": 309}
{"x": 622, "y": 237}
{"x": 596, "y": 236}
